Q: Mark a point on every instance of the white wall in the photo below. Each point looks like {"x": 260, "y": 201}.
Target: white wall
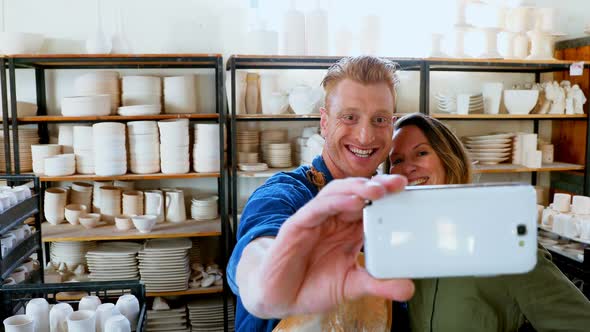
{"x": 220, "y": 26}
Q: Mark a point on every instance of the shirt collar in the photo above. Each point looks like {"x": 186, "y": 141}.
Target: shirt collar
{"x": 320, "y": 165}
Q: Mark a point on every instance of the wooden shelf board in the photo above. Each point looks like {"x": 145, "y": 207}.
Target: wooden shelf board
{"x": 511, "y": 168}
{"x": 190, "y": 228}
{"x": 276, "y": 116}
{"x": 156, "y": 176}
{"x": 264, "y": 174}
{"x": 59, "y": 118}
{"x": 443, "y": 116}
{"x": 77, "y": 60}
{"x": 190, "y": 291}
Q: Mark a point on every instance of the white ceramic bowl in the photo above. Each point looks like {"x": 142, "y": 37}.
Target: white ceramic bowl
{"x": 20, "y": 43}
{"x": 520, "y": 101}
{"x": 144, "y": 223}
{"x": 89, "y": 220}
{"x": 135, "y": 109}
{"x": 123, "y": 223}
{"x": 74, "y": 211}
{"x": 86, "y": 105}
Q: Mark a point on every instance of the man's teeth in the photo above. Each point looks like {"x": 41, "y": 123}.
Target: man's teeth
{"x": 417, "y": 182}
{"x": 360, "y": 152}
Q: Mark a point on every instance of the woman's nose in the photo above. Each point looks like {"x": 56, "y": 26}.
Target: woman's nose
{"x": 408, "y": 168}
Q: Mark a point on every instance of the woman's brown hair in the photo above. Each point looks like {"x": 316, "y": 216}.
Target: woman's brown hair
{"x": 445, "y": 143}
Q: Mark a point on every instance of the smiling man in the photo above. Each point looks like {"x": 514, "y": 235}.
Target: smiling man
{"x": 300, "y": 232}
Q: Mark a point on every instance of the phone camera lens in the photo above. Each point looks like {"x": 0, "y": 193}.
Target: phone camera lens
{"x": 521, "y": 230}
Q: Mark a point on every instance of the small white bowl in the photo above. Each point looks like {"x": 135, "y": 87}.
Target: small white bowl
{"x": 520, "y": 101}
{"x": 144, "y": 223}
{"x": 86, "y": 105}
{"x": 89, "y": 220}
{"x": 74, "y": 211}
{"x": 123, "y": 223}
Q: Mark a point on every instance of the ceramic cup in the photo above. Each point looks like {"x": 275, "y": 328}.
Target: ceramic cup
{"x": 19, "y": 323}
{"x": 580, "y": 205}
{"x": 58, "y": 316}
{"x": 561, "y": 202}
{"x": 103, "y": 313}
{"x": 55, "y": 203}
{"x": 8, "y": 241}
{"x": 585, "y": 227}
{"x": 38, "y": 310}
{"x": 132, "y": 202}
{"x": 128, "y": 305}
{"x": 82, "y": 321}
{"x": 90, "y": 302}
{"x": 117, "y": 323}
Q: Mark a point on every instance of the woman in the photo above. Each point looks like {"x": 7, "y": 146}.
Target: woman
{"x": 428, "y": 153}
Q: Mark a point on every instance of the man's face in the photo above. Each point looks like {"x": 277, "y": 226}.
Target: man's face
{"x": 357, "y": 125}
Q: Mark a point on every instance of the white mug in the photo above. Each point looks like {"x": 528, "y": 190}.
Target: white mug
{"x": 82, "y": 321}
{"x": 103, "y": 313}
{"x": 19, "y": 323}
{"x": 90, "y": 302}
{"x": 58, "y": 317}
{"x": 8, "y": 242}
{"x": 117, "y": 323}
{"x": 584, "y": 227}
{"x": 128, "y": 306}
{"x": 38, "y": 310}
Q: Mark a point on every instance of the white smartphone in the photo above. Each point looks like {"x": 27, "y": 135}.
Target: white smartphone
{"x": 452, "y": 230}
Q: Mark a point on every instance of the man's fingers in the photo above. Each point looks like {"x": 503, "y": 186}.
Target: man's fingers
{"x": 392, "y": 183}
{"x": 361, "y": 187}
{"x": 359, "y": 283}
{"x": 320, "y": 209}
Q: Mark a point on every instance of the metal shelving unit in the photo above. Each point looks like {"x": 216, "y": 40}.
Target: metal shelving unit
{"x": 41, "y": 63}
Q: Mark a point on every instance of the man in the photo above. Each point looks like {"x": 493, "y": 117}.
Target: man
{"x": 297, "y": 246}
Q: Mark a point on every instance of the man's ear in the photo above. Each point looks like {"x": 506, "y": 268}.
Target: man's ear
{"x": 323, "y": 121}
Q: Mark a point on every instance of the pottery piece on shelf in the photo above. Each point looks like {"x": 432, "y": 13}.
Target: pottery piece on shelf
{"x": 316, "y": 31}
{"x": 293, "y": 31}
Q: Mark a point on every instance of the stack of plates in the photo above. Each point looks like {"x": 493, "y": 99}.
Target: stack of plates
{"x": 27, "y": 137}
{"x": 83, "y": 149}
{"x": 255, "y": 167}
{"x": 206, "y": 153}
{"x": 195, "y": 252}
{"x": 248, "y": 141}
{"x": 174, "y": 143}
{"x": 98, "y": 83}
{"x": 136, "y": 110}
{"x": 171, "y": 320}
{"x": 113, "y": 261}
{"x": 206, "y": 314}
{"x": 110, "y": 153}
{"x": 144, "y": 147}
{"x": 204, "y": 207}
{"x": 279, "y": 155}
{"x": 489, "y": 149}
{"x": 269, "y": 137}
{"x": 71, "y": 253}
{"x": 164, "y": 264}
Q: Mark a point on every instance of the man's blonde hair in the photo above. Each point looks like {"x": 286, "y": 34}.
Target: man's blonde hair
{"x": 362, "y": 69}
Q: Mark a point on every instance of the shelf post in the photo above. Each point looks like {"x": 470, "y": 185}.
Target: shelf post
{"x": 5, "y": 124}
{"x": 424, "y": 88}
{"x": 15, "y": 140}
{"x": 41, "y": 103}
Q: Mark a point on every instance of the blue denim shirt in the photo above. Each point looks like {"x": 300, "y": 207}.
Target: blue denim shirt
{"x": 267, "y": 209}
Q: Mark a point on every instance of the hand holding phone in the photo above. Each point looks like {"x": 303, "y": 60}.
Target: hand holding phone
{"x": 451, "y": 230}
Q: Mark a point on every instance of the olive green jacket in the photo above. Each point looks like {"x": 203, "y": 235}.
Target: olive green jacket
{"x": 548, "y": 300}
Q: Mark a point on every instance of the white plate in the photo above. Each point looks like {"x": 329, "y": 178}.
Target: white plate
{"x": 490, "y": 146}
{"x": 489, "y": 150}
{"x": 491, "y": 161}
{"x": 490, "y": 155}
{"x": 490, "y": 136}
{"x": 139, "y": 110}
{"x": 167, "y": 244}
{"x": 489, "y": 141}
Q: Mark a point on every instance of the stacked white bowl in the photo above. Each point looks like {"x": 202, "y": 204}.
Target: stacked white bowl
{"x": 279, "y": 155}
{"x": 144, "y": 147}
{"x": 66, "y": 137}
{"x": 141, "y": 90}
{"x": 95, "y": 105}
{"x": 204, "y": 207}
{"x": 40, "y": 152}
{"x": 83, "y": 149}
{"x": 110, "y": 154}
{"x": 174, "y": 145}
{"x": 27, "y": 137}
{"x": 100, "y": 83}
{"x": 60, "y": 165}
{"x": 270, "y": 137}
{"x": 180, "y": 94}
{"x": 206, "y": 148}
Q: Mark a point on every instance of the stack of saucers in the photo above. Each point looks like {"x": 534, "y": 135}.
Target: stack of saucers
{"x": 269, "y": 137}
{"x": 253, "y": 167}
{"x": 279, "y": 155}
{"x": 170, "y": 320}
{"x": 248, "y": 145}
{"x": 206, "y": 153}
{"x": 164, "y": 264}
{"x": 141, "y": 90}
{"x": 489, "y": 149}
{"x": 110, "y": 153}
{"x": 71, "y": 253}
{"x": 204, "y": 207}
{"x": 83, "y": 149}
{"x": 180, "y": 94}
{"x": 144, "y": 147}
{"x": 27, "y": 137}
{"x": 98, "y": 83}
{"x": 113, "y": 261}
{"x": 174, "y": 144}
{"x": 206, "y": 314}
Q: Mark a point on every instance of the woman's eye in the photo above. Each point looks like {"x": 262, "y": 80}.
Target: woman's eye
{"x": 422, "y": 153}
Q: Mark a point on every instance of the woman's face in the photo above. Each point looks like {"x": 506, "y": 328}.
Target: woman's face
{"x": 413, "y": 157}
